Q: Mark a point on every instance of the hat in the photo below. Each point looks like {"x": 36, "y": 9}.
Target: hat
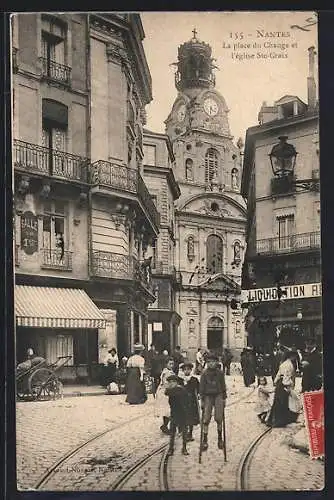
{"x": 212, "y": 356}
{"x": 173, "y": 378}
{"x": 138, "y": 347}
{"x": 186, "y": 364}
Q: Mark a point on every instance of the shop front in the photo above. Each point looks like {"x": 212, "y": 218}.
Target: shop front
{"x": 295, "y": 320}
{"x": 57, "y": 322}
{"x": 162, "y": 329}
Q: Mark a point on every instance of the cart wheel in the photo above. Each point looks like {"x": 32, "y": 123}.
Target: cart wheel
{"x": 42, "y": 384}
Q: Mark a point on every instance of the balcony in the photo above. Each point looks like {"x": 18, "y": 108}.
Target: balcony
{"x": 124, "y": 179}
{"x": 118, "y": 266}
{"x": 54, "y": 71}
{"x": 52, "y": 259}
{"x": 288, "y": 244}
{"x": 33, "y": 158}
{"x": 162, "y": 268}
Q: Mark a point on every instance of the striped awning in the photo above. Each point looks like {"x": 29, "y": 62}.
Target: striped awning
{"x": 43, "y": 307}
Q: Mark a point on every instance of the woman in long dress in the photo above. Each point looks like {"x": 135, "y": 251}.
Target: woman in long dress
{"x": 135, "y": 386}
{"x": 162, "y": 402}
{"x": 280, "y": 415}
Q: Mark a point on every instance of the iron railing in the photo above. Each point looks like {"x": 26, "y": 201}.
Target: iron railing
{"x": 56, "y": 71}
{"x": 115, "y": 265}
{"x": 53, "y": 259}
{"x": 38, "y": 159}
{"x": 292, "y": 243}
{"x": 108, "y": 174}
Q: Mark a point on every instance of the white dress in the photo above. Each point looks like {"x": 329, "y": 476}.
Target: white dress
{"x": 162, "y": 402}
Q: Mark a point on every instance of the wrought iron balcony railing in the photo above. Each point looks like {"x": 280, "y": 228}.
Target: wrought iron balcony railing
{"x": 53, "y": 259}
{"x": 38, "y": 159}
{"x": 287, "y": 244}
{"x": 55, "y": 71}
{"x": 126, "y": 179}
{"x": 115, "y": 265}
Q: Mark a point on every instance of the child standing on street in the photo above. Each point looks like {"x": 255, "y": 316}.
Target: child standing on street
{"x": 213, "y": 395}
{"x": 161, "y": 402}
{"x": 177, "y": 397}
{"x": 263, "y": 402}
{"x": 191, "y": 385}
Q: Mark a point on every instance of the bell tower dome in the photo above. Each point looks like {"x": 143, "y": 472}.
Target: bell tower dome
{"x": 195, "y": 66}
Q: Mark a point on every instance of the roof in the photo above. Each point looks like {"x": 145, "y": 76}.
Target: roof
{"x": 44, "y": 307}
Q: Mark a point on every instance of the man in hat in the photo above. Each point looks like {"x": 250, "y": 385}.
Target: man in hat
{"x": 212, "y": 390}
{"x": 177, "y": 397}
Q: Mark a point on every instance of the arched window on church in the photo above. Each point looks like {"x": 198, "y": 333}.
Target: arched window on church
{"x": 189, "y": 169}
{"x": 211, "y": 165}
{"x": 235, "y": 178}
{"x": 214, "y": 254}
{"x": 191, "y": 248}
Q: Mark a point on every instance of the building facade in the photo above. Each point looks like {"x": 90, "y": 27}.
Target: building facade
{"x": 83, "y": 214}
{"x": 283, "y": 223}
{"x": 159, "y": 165}
{"x": 210, "y": 213}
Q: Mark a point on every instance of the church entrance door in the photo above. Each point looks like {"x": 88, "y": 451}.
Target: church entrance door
{"x": 215, "y": 331}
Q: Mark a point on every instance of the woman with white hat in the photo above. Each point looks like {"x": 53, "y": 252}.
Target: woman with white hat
{"x": 135, "y": 386}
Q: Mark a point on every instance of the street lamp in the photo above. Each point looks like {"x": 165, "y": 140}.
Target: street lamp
{"x": 283, "y": 160}
{"x": 283, "y": 157}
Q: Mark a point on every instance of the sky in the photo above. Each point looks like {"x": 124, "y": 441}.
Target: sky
{"x": 244, "y": 83}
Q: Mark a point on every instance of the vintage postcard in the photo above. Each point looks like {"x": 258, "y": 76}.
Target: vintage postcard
{"x": 167, "y": 251}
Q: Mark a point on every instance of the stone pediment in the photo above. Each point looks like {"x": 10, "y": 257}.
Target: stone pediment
{"x": 220, "y": 283}
{"x": 215, "y": 205}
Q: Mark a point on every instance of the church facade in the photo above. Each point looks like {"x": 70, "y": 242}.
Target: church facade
{"x": 210, "y": 215}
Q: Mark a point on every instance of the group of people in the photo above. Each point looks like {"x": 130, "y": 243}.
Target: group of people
{"x": 280, "y": 406}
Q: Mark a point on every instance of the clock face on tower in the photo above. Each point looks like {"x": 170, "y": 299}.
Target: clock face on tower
{"x": 210, "y": 106}
{"x": 181, "y": 112}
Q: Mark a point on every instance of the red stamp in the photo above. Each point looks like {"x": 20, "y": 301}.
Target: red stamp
{"x": 313, "y": 403}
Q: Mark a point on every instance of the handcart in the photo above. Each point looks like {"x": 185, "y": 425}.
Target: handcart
{"x": 40, "y": 382}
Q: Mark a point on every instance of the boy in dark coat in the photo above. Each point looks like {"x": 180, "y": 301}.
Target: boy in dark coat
{"x": 191, "y": 385}
{"x": 212, "y": 389}
{"x": 177, "y": 396}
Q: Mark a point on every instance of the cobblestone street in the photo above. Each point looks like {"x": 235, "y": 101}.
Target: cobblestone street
{"x": 46, "y": 431}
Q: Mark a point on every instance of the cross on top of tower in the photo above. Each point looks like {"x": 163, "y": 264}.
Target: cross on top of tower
{"x": 194, "y": 32}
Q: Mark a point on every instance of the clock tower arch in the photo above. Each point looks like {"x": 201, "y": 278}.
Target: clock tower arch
{"x": 210, "y": 211}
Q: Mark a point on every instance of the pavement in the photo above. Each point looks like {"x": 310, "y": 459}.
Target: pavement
{"x": 47, "y": 430}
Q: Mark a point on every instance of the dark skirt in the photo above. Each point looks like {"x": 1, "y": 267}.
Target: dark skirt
{"x": 193, "y": 417}
{"x": 280, "y": 415}
{"x": 248, "y": 373}
{"x": 136, "y": 392}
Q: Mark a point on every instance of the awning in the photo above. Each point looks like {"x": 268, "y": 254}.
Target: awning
{"x": 43, "y": 307}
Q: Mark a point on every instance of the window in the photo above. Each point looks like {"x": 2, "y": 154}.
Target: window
{"x": 214, "y": 254}
{"x": 54, "y": 135}
{"x": 286, "y": 231}
{"x": 211, "y": 165}
{"x": 149, "y": 155}
{"x": 189, "y": 170}
{"x": 237, "y": 328}
{"x": 235, "y": 178}
{"x": 54, "y": 50}
{"x": 54, "y": 232}
{"x": 191, "y": 248}
{"x": 59, "y": 345}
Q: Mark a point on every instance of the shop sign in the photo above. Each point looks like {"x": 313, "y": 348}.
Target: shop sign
{"x": 29, "y": 233}
{"x": 300, "y": 291}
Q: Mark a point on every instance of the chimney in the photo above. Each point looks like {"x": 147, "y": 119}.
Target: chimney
{"x": 311, "y": 87}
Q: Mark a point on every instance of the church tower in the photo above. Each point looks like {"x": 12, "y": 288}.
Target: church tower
{"x": 210, "y": 213}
